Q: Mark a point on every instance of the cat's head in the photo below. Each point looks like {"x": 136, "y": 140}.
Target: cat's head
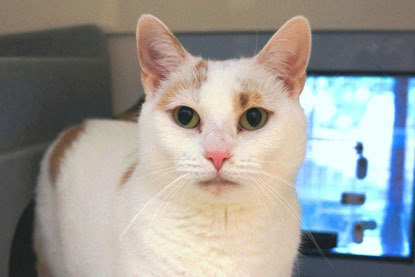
{"x": 223, "y": 129}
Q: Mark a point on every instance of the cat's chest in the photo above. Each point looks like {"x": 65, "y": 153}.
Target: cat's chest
{"x": 214, "y": 242}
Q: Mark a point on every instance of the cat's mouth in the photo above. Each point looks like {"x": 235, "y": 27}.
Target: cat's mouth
{"x": 217, "y": 185}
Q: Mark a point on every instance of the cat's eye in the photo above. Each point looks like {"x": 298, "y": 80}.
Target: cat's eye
{"x": 186, "y": 117}
{"x": 253, "y": 119}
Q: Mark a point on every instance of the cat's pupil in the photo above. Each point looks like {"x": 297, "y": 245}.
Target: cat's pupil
{"x": 185, "y": 115}
{"x": 253, "y": 116}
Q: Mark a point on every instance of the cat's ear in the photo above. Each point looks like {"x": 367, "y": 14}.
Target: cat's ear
{"x": 159, "y": 51}
{"x": 287, "y": 54}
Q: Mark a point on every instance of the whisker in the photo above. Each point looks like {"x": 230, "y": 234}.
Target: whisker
{"x": 231, "y": 243}
{"x": 150, "y": 182}
{"x": 149, "y": 202}
{"x": 277, "y": 210}
{"x": 173, "y": 193}
{"x": 297, "y": 218}
{"x": 142, "y": 156}
{"x": 154, "y": 172}
{"x": 170, "y": 195}
{"x": 307, "y": 155}
{"x": 268, "y": 162}
{"x": 268, "y": 212}
{"x": 284, "y": 181}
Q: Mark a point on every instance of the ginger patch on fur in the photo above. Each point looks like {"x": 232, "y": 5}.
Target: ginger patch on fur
{"x": 127, "y": 174}
{"x": 41, "y": 267}
{"x": 58, "y": 153}
{"x": 247, "y": 99}
{"x": 200, "y": 72}
{"x": 130, "y": 117}
{"x": 197, "y": 78}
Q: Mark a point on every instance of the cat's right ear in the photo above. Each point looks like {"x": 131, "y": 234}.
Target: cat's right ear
{"x": 287, "y": 54}
{"x": 159, "y": 52}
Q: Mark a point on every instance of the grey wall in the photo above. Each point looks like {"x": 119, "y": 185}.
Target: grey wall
{"x": 49, "y": 81}
{"x": 213, "y": 15}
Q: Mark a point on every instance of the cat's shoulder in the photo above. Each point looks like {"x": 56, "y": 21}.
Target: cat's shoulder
{"x": 91, "y": 139}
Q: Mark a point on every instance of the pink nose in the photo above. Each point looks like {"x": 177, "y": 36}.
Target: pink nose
{"x": 217, "y": 158}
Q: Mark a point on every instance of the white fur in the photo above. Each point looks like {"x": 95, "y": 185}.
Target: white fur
{"x": 87, "y": 225}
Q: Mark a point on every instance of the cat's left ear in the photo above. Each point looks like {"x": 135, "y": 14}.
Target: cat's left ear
{"x": 287, "y": 54}
{"x": 159, "y": 52}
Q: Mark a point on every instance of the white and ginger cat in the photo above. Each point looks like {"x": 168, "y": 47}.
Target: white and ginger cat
{"x": 202, "y": 185}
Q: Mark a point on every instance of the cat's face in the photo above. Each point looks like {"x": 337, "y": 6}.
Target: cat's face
{"x": 223, "y": 127}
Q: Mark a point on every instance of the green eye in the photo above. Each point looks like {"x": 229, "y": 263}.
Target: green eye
{"x": 253, "y": 119}
{"x": 186, "y": 117}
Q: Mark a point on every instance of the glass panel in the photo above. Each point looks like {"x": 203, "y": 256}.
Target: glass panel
{"x": 370, "y": 208}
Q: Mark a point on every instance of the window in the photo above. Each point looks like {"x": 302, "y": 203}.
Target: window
{"x": 358, "y": 175}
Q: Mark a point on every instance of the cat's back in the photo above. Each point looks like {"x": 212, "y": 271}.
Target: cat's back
{"x": 78, "y": 182}
{"x": 95, "y": 147}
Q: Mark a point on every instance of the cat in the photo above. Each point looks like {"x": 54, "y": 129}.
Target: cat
{"x": 200, "y": 185}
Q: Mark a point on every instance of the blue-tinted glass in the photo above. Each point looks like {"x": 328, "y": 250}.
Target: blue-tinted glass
{"x": 378, "y": 112}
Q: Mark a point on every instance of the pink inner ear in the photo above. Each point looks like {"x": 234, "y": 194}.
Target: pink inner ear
{"x": 159, "y": 51}
{"x": 287, "y": 53}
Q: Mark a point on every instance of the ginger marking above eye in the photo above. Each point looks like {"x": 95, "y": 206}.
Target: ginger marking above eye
{"x": 243, "y": 98}
{"x": 195, "y": 81}
{"x": 170, "y": 94}
{"x": 247, "y": 99}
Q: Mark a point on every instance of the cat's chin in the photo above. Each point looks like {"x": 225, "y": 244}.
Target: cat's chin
{"x": 218, "y": 185}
